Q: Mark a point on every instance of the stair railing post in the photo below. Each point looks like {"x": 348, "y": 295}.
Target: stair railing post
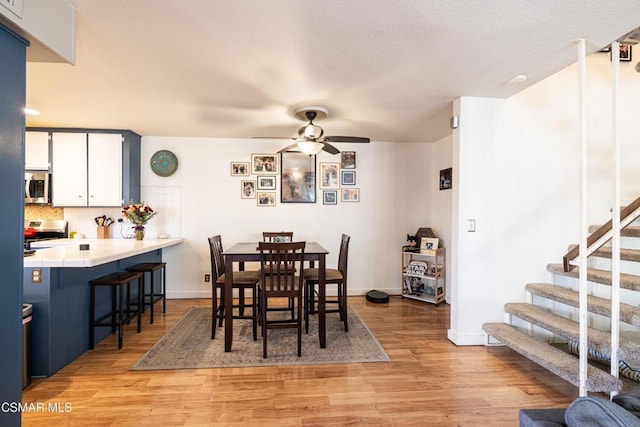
{"x": 584, "y": 227}
{"x": 615, "y": 220}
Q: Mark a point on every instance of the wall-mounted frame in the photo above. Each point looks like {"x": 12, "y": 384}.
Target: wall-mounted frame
{"x": 330, "y": 197}
{"x": 248, "y": 189}
{"x": 348, "y": 159}
{"x": 240, "y": 168}
{"x": 625, "y": 53}
{"x": 445, "y": 179}
{"x": 298, "y": 178}
{"x": 266, "y": 182}
{"x": 267, "y": 198}
{"x": 348, "y": 178}
{"x": 350, "y": 194}
{"x": 329, "y": 176}
{"x": 262, "y": 164}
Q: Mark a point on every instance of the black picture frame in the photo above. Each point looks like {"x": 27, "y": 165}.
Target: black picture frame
{"x": 330, "y": 197}
{"x": 348, "y": 177}
{"x": 298, "y": 177}
{"x": 446, "y": 179}
{"x": 625, "y": 53}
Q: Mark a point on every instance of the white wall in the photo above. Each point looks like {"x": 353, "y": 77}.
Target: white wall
{"x": 211, "y": 204}
{"x": 518, "y": 176}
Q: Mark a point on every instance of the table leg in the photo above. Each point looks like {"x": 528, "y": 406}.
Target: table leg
{"x": 322, "y": 300}
{"x": 228, "y": 303}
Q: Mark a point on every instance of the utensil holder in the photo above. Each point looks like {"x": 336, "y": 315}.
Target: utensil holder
{"x": 103, "y": 232}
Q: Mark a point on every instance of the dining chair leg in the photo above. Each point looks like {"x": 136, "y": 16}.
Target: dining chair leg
{"x": 263, "y": 315}
{"x": 214, "y": 310}
{"x": 343, "y": 306}
{"x": 221, "y": 308}
{"x": 300, "y": 324}
{"x": 254, "y": 308}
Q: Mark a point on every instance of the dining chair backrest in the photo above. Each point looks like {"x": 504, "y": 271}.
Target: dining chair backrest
{"x": 278, "y": 263}
{"x": 277, "y": 236}
{"x": 217, "y": 260}
{"x": 344, "y": 255}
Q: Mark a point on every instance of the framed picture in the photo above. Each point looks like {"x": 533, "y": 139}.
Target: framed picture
{"x": 428, "y": 245}
{"x": 248, "y": 189}
{"x": 348, "y": 159}
{"x": 298, "y": 178}
{"x": 330, "y": 197}
{"x": 266, "y": 182}
{"x": 240, "y": 168}
{"x": 350, "y": 194}
{"x": 329, "y": 176}
{"x": 625, "y": 53}
{"x": 267, "y": 198}
{"x": 445, "y": 179}
{"x": 264, "y": 164}
{"x": 348, "y": 178}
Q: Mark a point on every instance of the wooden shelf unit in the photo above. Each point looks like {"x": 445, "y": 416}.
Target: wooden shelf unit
{"x": 423, "y": 275}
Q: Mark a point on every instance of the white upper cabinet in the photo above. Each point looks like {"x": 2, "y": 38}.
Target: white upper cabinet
{"x": 36, "y": 154}
{"x": 87, "y": 169}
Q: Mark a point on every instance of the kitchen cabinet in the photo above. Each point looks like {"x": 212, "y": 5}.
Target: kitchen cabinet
{"x": 94, "y": 168}
{"x": 36, "y": 153}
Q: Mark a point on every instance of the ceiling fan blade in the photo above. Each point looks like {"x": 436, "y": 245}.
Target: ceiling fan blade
{"x": 272, "y": 137}
{"x": 288, "y": 148}
{"x": 346, "y": 139}
{"x": 330, "y": 148}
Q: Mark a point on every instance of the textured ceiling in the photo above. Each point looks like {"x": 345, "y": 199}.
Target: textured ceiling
{"x": 385, "y": 69}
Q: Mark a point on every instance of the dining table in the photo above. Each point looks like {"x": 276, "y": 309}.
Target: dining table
{"x": 248, "y": 252}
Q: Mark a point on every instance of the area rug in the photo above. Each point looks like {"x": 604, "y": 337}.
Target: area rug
{"x": 188, "y": 345}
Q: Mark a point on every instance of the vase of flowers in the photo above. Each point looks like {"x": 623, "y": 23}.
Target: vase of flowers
{"x": 139, "y": 214}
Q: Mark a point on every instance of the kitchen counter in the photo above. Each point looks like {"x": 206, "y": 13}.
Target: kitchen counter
{"x": 67, "y": 253}
{"x": 56, "y": 283}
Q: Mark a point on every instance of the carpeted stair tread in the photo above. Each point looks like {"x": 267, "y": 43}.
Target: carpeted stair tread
{"x": 553, "y": 359}
{"x": 598, "y": 340}
{"x": 630, "y": 231}
{"x": 625, "y": 254}
{"x": 627, "y": 281}
{"x": 628, "y": 313}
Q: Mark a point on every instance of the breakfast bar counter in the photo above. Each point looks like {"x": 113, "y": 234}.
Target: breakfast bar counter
{"x": 56, "y": 283}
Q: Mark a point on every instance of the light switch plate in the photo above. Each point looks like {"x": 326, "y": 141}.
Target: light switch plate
{"x": 471, "y": 225}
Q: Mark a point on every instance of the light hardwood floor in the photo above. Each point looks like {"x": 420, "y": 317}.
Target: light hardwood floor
{"x": 429, "y": 382}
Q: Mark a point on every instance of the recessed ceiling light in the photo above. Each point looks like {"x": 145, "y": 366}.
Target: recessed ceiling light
{"x": 518, "y": 80}
{"x": 31, "y": 112}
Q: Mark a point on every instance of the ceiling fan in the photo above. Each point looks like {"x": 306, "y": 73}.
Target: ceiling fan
{"x": 311, "y": 139}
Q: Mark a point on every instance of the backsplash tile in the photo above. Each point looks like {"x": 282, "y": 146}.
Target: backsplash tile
{"x": 42, "y": 212}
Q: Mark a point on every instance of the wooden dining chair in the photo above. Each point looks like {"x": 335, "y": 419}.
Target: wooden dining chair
{"x": 242, "y": 280}
{"x": 280, "y": 237}
{"x": 332, "y": 276}
{"x": 277, "y": 236}
{"x": 278, "y": 261}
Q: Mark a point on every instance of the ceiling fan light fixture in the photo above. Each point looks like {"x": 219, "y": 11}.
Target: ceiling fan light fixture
{"x": 310, "y": 131}
{"x": 310, "y": 147}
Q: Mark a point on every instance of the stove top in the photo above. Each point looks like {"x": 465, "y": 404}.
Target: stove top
{"x": 47, "y": 225}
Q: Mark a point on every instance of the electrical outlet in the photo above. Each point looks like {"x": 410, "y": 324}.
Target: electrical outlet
{"x": 120, "y": 220}
{"x": 15, "y": 6}
{"x": 36, "y": 276}
{"x": 207, "y": 278}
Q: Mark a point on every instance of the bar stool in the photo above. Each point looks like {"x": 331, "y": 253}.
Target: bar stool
{"x": 152, "y": 296}
{"x": 121, "y": 309}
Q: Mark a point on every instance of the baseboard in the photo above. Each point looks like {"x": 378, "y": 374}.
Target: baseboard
{"x": 207, "y": 293}
{"x": 465, "y": 339}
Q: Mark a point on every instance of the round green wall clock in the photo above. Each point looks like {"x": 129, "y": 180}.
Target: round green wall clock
{"x": 164, "y": 163}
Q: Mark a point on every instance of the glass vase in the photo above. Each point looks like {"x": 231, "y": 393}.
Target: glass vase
{"x": 139, "y": 233}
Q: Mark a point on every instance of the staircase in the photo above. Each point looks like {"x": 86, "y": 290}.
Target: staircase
{"x": 559, "y": 362}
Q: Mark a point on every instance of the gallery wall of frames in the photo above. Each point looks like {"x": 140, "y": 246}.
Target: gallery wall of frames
{"x": 298, "y": 177}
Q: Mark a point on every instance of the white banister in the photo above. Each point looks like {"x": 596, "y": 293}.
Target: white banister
{"x": 584, "y": 227}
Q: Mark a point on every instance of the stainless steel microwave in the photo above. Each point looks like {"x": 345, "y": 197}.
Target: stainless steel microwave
{"x": 37, "y": 188}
